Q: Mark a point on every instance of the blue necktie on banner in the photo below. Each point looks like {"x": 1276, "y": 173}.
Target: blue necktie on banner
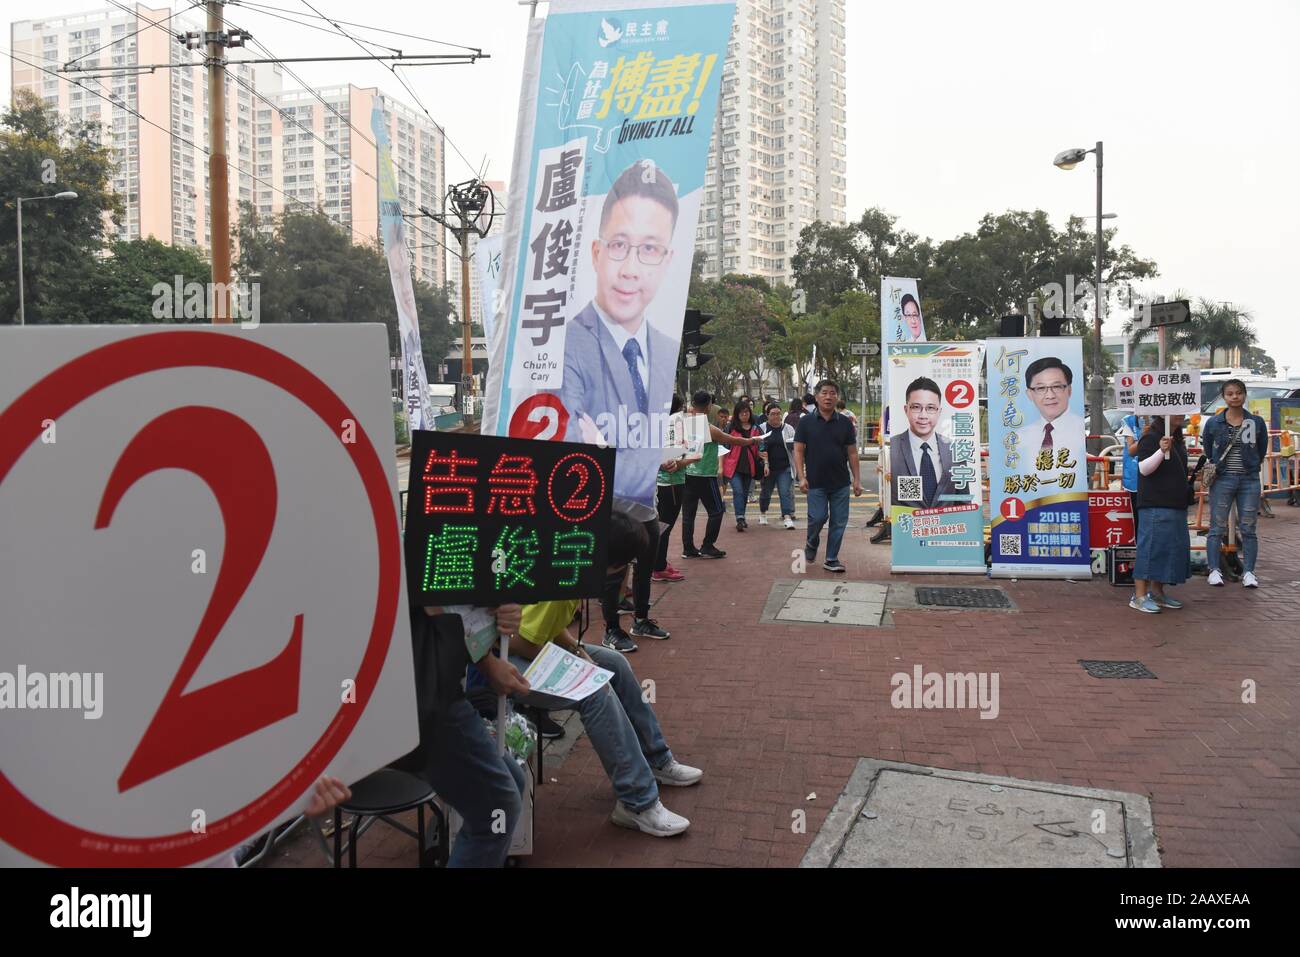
{"x": 632, "y": 352}
{"x": 929, "y": 481}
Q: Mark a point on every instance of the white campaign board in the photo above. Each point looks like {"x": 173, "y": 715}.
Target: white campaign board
{"x": 1167, "y": 392}
{"x": 207, "y": 518}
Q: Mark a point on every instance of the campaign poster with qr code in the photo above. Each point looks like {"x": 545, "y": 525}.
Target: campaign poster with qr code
{"x": 933, "y": 458}
{"x": 1038, "y": 461}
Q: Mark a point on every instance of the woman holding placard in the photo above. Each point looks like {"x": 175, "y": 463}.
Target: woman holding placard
{"x": 1163, "y": 541}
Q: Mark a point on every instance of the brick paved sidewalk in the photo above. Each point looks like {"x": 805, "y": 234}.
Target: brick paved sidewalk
{"x": 776, "y": 713}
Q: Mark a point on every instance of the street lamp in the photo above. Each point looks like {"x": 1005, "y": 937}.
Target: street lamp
{"x": 1069, "y": 159}
{"x": 66, "y": 194}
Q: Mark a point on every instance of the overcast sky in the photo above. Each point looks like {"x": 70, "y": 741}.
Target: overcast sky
{"x": 956, "y": 109}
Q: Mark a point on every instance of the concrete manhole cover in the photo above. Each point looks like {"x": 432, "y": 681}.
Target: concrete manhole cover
{"x": 902, "y": 815}
{"x": 835, "y": 603}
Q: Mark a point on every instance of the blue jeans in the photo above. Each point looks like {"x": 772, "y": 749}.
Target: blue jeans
{"x": 783, "y": 482}
{"x": 623, "y": 729}
{"x": 740, "y": 493}
{"x": 821, "y": 501}
{"x": 463, "y": 766}
{"x": 1245, "y": 491}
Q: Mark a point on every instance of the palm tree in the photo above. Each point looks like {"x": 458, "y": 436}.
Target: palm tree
{"x": 1213, "y": 326}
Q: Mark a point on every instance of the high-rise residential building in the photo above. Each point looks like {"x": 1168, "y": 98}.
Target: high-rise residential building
{"x": 315, "y": 148}
{"x": 778, "y": 160}
{"x": 294, "y": 148}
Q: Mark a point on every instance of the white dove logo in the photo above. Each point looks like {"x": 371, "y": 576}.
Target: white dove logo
{"x": 609, "y": 33}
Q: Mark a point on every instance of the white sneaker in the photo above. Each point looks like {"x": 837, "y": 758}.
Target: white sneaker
{"x": 762, "y": 519}
{"x": 655, "y": 820}
{"x": 678, "y": 775}
{"x": 789, "y": 522}
{"x": 1249, "y": 580}
{"x": 1216, "y": 578}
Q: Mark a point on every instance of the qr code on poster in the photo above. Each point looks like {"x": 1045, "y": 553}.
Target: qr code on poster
{"x": 909, "y": 488}
{"x": 1009, "y": 545}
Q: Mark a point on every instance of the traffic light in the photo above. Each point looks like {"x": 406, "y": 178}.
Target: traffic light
{"x": 693, "y": 339}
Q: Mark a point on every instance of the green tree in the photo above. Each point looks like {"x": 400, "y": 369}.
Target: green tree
{"x": 122, "y": 284}
{"x": 310, "y": 271}
{"x": 1258, "y": 361}
{"x": 824, "y": 265}
{"x": 41, "y": 154}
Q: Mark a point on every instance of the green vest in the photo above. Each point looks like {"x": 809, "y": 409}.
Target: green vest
{"x": 708, "y": 463}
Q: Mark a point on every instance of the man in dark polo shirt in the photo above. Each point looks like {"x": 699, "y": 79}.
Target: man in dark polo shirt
{"x": 825, "y": 455}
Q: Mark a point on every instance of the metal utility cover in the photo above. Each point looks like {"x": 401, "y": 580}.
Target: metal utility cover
{"x": 843, "y": 591}
{"x": 1116, "y": 669}
{"x": 900, "y": 815}
{"x": 835, "y": 603}
{"x": 962, "y": 597}
{"x": 831, "y": 612}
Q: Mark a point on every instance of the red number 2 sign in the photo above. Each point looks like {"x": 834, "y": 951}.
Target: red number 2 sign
{"x": 224, "y": 451}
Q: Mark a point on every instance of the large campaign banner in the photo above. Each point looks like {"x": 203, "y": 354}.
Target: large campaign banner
{"x": 1038, "y": 463}
{"x": 616, "y": 114}
{"x": 900, "y": 321}
{"x": 937, "y": 506}
{"x": 419, "y": 406}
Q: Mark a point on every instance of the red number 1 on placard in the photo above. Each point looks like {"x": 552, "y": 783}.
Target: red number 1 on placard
{"x": 224, "y": 451}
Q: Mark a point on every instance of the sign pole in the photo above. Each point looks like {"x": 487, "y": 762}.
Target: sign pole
{"x": 1160, "y": 336}
{"x": 863, "y": 421}
{"x": 501, "y": 701}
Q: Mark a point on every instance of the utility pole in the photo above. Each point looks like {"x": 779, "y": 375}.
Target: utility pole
{"x": 218, "y": 181}
{"x": 473, "y": 207}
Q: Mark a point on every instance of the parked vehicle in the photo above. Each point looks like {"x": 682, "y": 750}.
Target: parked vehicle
{"x": 1259, "y": 391}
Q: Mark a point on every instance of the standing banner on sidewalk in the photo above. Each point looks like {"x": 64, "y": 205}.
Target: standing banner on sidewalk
{"x": 1038, "y": 463}
{"x": 900, "y": 321}
{"x": 419, "y": 407}
{"x": 616, "y": 114}
{"x": 937, "y": 506}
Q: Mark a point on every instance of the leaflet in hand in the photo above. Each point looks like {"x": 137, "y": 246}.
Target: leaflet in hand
{"x": 480, "y": 629}
{"x": 556, "y": 672}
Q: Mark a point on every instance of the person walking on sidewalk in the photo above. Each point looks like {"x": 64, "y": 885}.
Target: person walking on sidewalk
{"x": 1236, "y": 441}
{"x": 702, "y": 486}
{"x": 792, "y": 420}
{"x": 826, "y": 456}
{"x": 744, "y": 463}
{"x": 778, "y": 438}
{"x": 1163, "y": 543}
{"x": 669, "y": 488}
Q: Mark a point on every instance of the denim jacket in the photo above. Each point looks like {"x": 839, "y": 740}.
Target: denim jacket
{"x": 1214, "y": 438}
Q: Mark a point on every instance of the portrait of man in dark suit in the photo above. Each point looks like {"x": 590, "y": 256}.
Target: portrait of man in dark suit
{"x": 920, "y": 460}
{"x": 619, "y": 370}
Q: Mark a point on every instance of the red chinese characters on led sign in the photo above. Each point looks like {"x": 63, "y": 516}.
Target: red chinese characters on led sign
{"x": 576, "y": 488}
{"x": 446, "y": 490}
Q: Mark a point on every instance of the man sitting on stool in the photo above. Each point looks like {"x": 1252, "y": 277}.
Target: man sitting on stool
{"x": 622, "y": 726}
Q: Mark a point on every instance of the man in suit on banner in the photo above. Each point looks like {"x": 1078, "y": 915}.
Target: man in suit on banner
{"x": 1049, "y": 383}
{"x": 619, "y": 371}
{"x": 920, "y": 460}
